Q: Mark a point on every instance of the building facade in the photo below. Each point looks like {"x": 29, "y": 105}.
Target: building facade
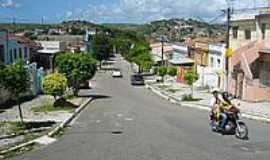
{"x": 13, "y": 48}
{"x": 249, "y": 65}
{"x": 45, "y": 56}
{"x": 212, "y": 74}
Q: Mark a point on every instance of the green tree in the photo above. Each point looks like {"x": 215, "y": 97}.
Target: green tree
{"x": 76, "y": 68}
{"x": 102, "y": 47}
{"x": 162, "y": 71}
{"x": 191, "y": 77}
{"x": 144, "y": 61}
{"x": 15, "y": 78}
{"x": 54, "y": 84}
{"x": 172, "y": 71}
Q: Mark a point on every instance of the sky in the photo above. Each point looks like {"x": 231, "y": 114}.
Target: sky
{"x": 115, "y": 11}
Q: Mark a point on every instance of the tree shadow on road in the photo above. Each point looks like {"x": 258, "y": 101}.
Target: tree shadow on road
{"x": 95, "y": 96}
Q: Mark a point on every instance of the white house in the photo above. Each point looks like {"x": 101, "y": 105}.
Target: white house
{"x": 180, "y": 55}
{"x": 212, "y": 75}
{"x": 45, "y": 56}
{"x": 156, "y": 51}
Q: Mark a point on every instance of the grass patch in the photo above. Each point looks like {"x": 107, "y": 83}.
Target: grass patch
{"x": 189, "y": 98}
{"x": 51, "y": 108}
{"x": 163, "y": 86}
{"x": 23, "y": 150}
{"x": 70, "y": 97}
{"x": 173, "y": 90}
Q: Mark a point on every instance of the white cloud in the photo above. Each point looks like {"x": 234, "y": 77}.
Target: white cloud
{"x": 9, "y": 4}
{"x": 139, "y": 11}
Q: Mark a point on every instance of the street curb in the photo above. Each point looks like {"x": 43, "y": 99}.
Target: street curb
{"x": 68, "y": 120}
{"x": 177, "y": 101}
{"x": 53, "y": 132}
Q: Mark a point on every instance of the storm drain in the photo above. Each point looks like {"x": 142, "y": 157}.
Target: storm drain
{"x": 116, "y": 132}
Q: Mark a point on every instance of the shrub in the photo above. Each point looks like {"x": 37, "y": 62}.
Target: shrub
{"x": 54, "y": 84}
{"x": 162, "y": 71}
{"x": 190, "y": 98}
{"x": 172, "y": 71}
{"x": 191, "y": 77}
{"x": 155, "y": 69}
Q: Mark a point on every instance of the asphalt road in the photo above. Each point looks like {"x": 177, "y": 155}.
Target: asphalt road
{"x": 131, "y": 123}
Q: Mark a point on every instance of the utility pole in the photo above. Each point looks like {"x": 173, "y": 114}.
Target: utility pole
{"x": 162, "y": 50}
{"x": 227, "y": 48}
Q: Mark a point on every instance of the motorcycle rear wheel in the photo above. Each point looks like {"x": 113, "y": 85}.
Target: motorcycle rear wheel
{"x": 241, "y": 131}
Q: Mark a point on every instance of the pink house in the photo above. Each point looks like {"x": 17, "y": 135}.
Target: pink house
{"x": 250, "y": 63}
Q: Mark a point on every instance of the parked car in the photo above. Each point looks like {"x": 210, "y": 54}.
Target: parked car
{"x": 137, "y": 79}
{"x": 84, "y": 84}
{"x": 117, "y": 74}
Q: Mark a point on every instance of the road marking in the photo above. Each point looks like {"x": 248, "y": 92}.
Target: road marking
{"x": 119, "y": 115}
{"x": 128, "y": 119}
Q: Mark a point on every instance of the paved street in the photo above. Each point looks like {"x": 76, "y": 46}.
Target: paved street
{"x": 131, "y": 123}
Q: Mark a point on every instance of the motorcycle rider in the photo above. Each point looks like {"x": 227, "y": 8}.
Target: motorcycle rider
{"x": 218, "y": 115}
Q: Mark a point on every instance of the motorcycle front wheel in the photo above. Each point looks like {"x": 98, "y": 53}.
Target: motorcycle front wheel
{"x": 241, "y": 131}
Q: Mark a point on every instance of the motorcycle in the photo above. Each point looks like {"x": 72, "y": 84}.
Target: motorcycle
{"x": 233, "y": 126}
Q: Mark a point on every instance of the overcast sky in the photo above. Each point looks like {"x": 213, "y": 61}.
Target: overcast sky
{"x": 115, "y": 11}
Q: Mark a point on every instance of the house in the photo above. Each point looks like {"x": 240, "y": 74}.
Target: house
{"x": 208, "y": 54}
{"x": 74, "y": 43}
{"x": 4, "y": 40}
{"x": 179, "y": 57}
{"x": 212, "y": 74}
{"x": 45, "y": 57}
{"x": 250, "y": 66}
{"x": 87, "y": 39}
{"x": 156, "y": 51}
{"x": 15, "y": 47}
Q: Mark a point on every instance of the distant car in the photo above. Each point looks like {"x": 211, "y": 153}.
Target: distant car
{"x": 117, "y": 74}
{"x": 137, "y": 79}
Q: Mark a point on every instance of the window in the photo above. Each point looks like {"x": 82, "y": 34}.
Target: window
{"x": 235, "y": 32}
{"x": 25, "y": 52}
{"x": 212, "y": 62}
{"x": 15, "y": 53}
{"x": 20, "y": 53}
{"x": 10, "y": 56}
{"x": 2, "y": 53}
{"x": 263, "y": 30}
{"x": 218, "y": 62}
{"x": 247, "y": 34}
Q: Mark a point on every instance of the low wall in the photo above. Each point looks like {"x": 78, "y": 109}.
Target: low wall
{"x": 257, "y": 93}
{"x": 4, "y": 96}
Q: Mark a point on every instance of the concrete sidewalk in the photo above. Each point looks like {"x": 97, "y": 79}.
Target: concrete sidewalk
{"x": 176, "y": 91}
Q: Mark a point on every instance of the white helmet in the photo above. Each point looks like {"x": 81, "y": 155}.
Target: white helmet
{"x": 215, "y": 90}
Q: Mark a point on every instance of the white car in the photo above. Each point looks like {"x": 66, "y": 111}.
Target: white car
{"x": 117, "y": 74}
